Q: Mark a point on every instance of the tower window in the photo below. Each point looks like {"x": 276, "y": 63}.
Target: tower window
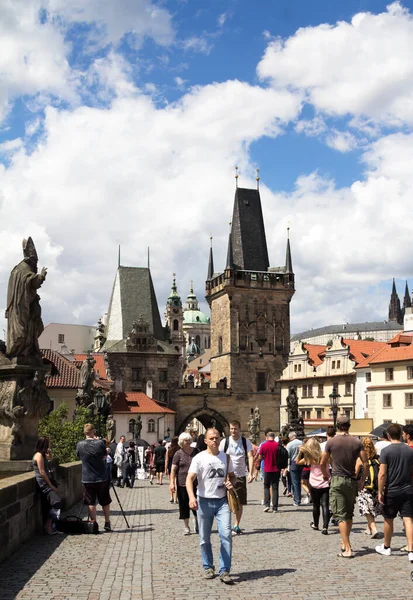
{"x": 136, "y": 374}
{"x": 60, "y": 338}
{"x": 198, "y": 340}
{"x": 261, "y": 381}
{"x": 220, "y": 345}
{"x": 176, "y": 325}
{"x": 163, "y": 375}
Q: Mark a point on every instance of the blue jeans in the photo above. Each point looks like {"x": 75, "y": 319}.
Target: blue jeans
{"x": 208, "y": 508}
{"x": 295, "y": 472}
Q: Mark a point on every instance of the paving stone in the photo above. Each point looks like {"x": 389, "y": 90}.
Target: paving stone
{"x": 278, "y": 555}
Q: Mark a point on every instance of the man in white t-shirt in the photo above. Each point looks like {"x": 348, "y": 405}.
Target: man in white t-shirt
{"x": 237, "y": 446}
{"x": 210, "y": 469}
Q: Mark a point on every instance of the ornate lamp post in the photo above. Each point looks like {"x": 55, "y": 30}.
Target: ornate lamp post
{"x": 132, "y": 427}
{"x": 168, "y": 434}
{"x": 100, "y": 402}
{"x": 334, "y": 402}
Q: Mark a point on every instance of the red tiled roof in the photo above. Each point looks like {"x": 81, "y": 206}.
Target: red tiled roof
{"x": 315, "y": 353}
{"x": 64, "y": 372}
{"x": 137, "y": 402}
{"x": 401, "y": 339}
{"x": 359, "y": 349}
{"x": 100, "y": 368}
{"x": 390, "y": 354}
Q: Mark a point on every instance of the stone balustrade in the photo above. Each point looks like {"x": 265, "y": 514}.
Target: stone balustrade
{"x": 20, "y": 510}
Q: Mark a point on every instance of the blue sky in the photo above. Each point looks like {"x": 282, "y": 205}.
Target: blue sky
{"x": 121, "y": 123}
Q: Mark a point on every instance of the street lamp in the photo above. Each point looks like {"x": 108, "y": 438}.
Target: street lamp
{"x": 334, "y": 402}
{"x": 168, "y": 434}
{"x": 100, "y": 402}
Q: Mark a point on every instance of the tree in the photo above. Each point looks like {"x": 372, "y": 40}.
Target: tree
{"x": 64, "y": 434}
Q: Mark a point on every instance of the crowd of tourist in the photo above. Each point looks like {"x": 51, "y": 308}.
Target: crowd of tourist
{"x": 335, "y": 475}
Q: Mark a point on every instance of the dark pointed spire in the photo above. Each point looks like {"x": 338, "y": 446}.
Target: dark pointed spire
{"x": 211, "y": 263}
{"x": 407, "y": 300}
{"x": 230, "y": 256}
{"x": 288, "y": 261}
{"x": 249, "y": 244}
{"x": 395, "y": 311}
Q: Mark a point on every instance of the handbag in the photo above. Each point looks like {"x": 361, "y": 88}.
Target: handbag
{"x": 232, "y": 496}
{"x": 76, "y": 526}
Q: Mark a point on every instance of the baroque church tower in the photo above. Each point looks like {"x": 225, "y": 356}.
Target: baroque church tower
{"x": 174, "y": 314}
{"x": 250, "y": 310}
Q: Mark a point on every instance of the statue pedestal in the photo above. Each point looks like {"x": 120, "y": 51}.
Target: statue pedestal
{"x": 23, "y": 402}
{"x": 28, "y": 434}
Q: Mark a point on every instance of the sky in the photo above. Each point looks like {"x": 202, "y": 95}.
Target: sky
{"x": 121, "y": 123}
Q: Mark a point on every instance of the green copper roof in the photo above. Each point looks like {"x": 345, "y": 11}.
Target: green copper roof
{"x": 191, "y": 317}
{"x": 174, "y": 298}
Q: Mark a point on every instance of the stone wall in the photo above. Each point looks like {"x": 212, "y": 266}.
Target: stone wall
{"x": 20, "y": 510}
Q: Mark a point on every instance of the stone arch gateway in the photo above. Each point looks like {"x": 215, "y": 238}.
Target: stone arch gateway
{"x": 208, "y": 417}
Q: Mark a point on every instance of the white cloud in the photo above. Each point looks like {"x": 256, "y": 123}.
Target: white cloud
{"x": 195, "y": 43}
{"x": 362, "y": 68}
{"x": 343, "y": 141}
{"x": 34, "y": 52}
{"x": 132, "y": 173}
{"x": 180, "y": 83}
{"x": 347, "y": 240}
{"x": 312, "y": 127}
{"x": 33, "y": 56}
{"x": 139, "y": 18}
{"x": 222, "y": 19}
{"x": 135, "y": 175}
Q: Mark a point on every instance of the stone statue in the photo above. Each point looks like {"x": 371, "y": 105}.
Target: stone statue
{"x": 23, "y": 307}
{"x": 292, "y": 405}
{"x": 138, "y": 428}
{"x": 295, "y": 423}
{"x": 111, "y": 429}
{"x": 87, "y": 377}
{"x": 254, "y": 425}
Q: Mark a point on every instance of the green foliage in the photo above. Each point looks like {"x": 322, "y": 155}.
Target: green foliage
{"x": 369, "y": 339}
{"x": 64, "y": 434}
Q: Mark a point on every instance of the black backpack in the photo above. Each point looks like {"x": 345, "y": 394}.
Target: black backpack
{"x": 282, "y": 457}
{"x": 244, "y": 443}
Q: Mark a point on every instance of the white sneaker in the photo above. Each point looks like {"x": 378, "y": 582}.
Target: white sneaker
{"x": 382, "y": 550}
{"x": 306, "y": 500}
{"x": 187, "y": 531}
{"x": 266, "y": 509}
{"x": 410, "y": 555}
{"x": 262, "y": 502}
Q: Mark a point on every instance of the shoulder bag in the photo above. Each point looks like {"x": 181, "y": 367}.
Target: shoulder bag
{"x": 232, "y": 496}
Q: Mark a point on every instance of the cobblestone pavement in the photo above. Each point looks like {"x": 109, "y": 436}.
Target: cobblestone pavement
{"x": 278, "y": 556}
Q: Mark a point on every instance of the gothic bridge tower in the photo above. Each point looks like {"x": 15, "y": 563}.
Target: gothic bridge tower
{"x": 250, "y": 329}
{"x": 250, "y": 314}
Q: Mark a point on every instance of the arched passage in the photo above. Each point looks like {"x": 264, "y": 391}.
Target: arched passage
{"x": 208, "y": 417}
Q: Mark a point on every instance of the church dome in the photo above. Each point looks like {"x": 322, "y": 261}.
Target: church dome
{"x": 192, "y": 314}
{"x": 194, "y": 317}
